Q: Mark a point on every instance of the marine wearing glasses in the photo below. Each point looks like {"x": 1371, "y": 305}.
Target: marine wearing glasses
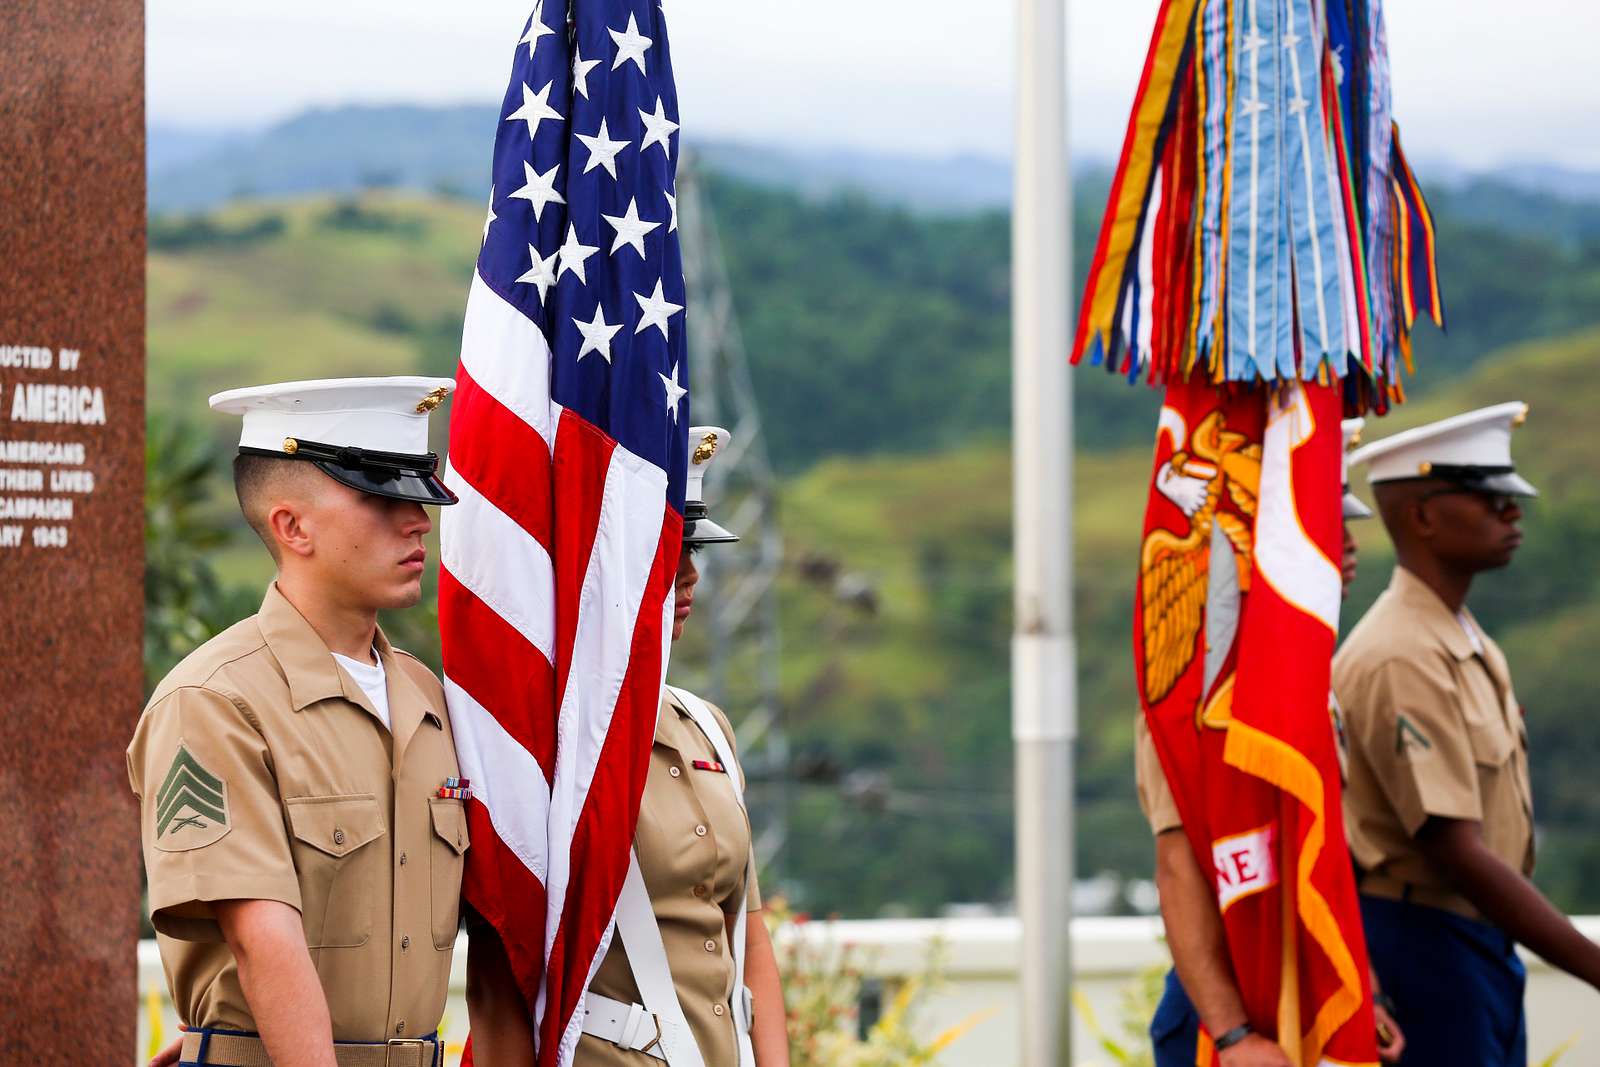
{"x": 1438, "y": 808}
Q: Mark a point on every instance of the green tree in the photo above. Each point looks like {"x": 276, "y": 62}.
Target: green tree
{"x": 185, "y": 603}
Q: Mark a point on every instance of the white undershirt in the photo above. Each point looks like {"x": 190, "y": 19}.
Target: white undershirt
{"x": 1472, "y": 632}
{"x": 370, "y": 677}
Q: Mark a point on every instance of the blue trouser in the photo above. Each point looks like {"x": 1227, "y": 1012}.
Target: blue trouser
{"x": 1457, "y": 985}
{"x": 1175, "y": 1028}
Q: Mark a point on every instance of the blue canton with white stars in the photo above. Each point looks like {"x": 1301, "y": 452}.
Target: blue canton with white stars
{"x": 582, "y": 229}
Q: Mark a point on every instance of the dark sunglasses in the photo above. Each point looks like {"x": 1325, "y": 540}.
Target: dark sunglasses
{"x": 1498, "y": 503}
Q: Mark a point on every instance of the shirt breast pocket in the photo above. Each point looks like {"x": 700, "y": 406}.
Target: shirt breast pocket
{"x": 338, "y": 865}
{"x": 1488, "y": 733}
{"x": 447, "y": 858}
{"x": 1492, "y": 742}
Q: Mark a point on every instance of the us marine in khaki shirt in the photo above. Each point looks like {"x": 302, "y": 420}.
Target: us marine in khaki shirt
{"x": 299, "y": 798}
{"x": 1438, "y": 808}
{"x": 693, "y": 843}
{"x": 700, "y": 907}
{"x": 1435, "y": 731}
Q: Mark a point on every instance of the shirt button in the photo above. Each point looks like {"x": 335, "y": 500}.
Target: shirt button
{"x": 402, "y": 859}
{"x": 711, "y": 946}
{"x": 699, "y": 831}
{"x": 675, "y": 772}
{"x": 400, "y": 1027}
{"x": 717, "y": 1009}
{"x": 338, "y": 837}
{"x": 405, "y": 942}
{"x": 700, "y": 891}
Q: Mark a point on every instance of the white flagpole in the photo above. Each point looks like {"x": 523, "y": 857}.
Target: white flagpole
{"x": 1043, "y": 652}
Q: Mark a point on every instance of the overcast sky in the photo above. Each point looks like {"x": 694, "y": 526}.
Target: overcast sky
{"x": 1476, "y": 83}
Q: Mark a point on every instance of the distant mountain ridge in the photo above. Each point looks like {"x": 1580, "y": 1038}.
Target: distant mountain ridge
{"x": 430, "y": 149}
{"x": 446, "y": 149}
{"x": 325, "y": 151}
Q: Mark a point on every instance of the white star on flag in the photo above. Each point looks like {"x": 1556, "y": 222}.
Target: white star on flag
{"x": 675, "y": 392}
{"x": 541, "y": 273}
{"x": 580, "y": 72}
{"x": 536, "y": 30}
{"x": 535, "y": 108}
{"x": 540, "y": 190}
{"x": 655, "y": 310}
{"x": 630, "y": 228}
{"x": 573, "y": 253}
{"x": 631, "y": 44}
{"x": 657, "y": 128}
{"x": 489, "y": 220}
{"x": 672, "y": 204}
{"x": 602, "y": 150}
{"x": 597, "y": 334}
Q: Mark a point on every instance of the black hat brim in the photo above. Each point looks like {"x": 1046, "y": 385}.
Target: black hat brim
{"x": 1480, "y": 479}
{"x": 421, "y": 486}
{"x": 706, "y": 532}
{"x": 396, "y": 475}
{"x": 1354, "y": 508}
{"x": 1509, "y": 482}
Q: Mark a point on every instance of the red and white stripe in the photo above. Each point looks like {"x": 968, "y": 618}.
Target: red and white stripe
{"x": 554, "y": 587}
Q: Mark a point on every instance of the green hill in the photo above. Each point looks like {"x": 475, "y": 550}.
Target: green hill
{"x": 306, "y": 288}
{"x": 869, "y": 328}
{"x": 878, "y": 343}
{"x": 929, "y": 669}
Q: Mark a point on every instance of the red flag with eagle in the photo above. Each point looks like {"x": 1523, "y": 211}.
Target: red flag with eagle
{"x": 1264, "y": 257}
{"x": 1234, "y": 630}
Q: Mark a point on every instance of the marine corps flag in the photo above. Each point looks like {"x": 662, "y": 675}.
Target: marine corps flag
{"x": 1264, "y": 257}
{"x": 1234, "y": 628}
{"x": 1263, "y": 222}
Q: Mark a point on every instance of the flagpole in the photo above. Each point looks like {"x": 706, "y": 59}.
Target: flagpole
{"x": 1043, "y": 653}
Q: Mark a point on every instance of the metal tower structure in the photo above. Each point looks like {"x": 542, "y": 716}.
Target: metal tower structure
{"x": 738, "y": 582}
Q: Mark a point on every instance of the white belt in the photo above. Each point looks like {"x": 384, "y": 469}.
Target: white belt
{"x": 628, "y": 1026}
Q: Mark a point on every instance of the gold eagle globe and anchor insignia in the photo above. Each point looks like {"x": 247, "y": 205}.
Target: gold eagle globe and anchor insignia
{"x": 705, "y": 449}
{"x": 1213, "y": 477}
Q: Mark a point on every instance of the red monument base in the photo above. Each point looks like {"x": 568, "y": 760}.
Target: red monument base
{"x": 72, "y": 248}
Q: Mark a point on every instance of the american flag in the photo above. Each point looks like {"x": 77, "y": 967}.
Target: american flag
{"x": 568, "y": 449}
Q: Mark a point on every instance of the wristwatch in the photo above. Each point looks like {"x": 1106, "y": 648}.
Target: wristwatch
{"x": 1232, "y": 1037}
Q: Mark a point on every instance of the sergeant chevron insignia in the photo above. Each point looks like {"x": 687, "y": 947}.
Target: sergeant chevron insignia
{"x": 191, "y": 805}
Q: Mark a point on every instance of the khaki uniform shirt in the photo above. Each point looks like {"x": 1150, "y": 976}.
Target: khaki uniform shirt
{"x": 1155, "y": 795}
{"x": 1435, "y": 730}
{"x": 263, "y": 772}
{"x": 693, "y": 843}
{"x": 1160, "y": 807}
